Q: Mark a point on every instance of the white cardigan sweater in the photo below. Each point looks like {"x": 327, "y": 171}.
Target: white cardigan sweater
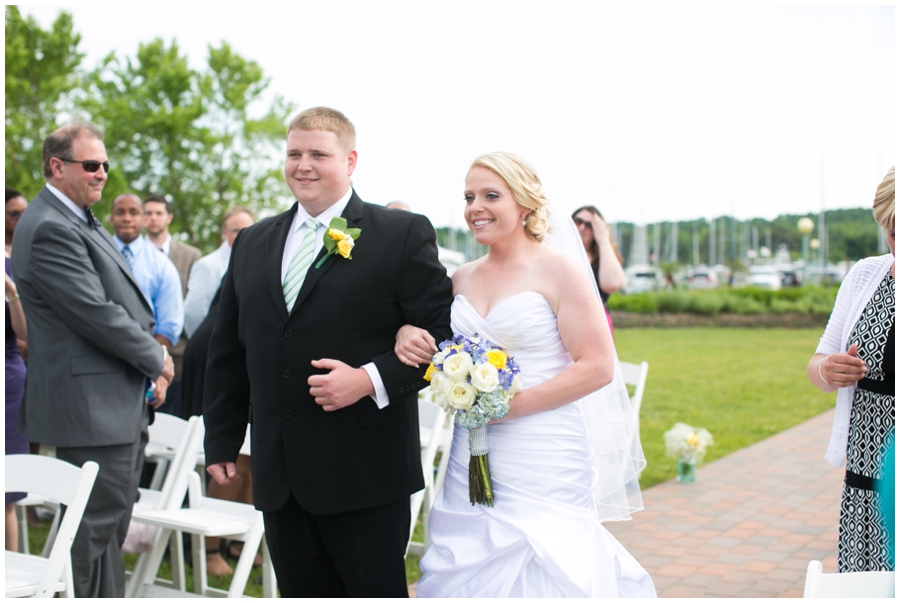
{"x": 857, "y": 289}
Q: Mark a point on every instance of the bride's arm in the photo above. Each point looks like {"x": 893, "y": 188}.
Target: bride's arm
{"x": 584, "y": 332}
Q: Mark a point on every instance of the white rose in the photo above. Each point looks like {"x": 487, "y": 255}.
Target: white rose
{"x": 439, "y": 357}
{"x": 485, "y": 377}
{"x": 461, "y": 395}
{"x": 457, "y": 366}
{"x": 439, "y": 385}
{"x": 515, "y": 387}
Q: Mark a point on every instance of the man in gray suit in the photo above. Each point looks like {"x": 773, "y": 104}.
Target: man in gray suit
{"x": 92, "y": 355}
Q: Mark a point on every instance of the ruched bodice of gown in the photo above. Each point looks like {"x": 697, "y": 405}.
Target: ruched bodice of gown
{"x": 542, "y": 537}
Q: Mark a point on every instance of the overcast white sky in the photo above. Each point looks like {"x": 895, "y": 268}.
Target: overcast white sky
{"x": 649, "y": 113}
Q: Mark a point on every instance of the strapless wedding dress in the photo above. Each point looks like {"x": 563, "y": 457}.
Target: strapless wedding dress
{"x": 542, "y": 538}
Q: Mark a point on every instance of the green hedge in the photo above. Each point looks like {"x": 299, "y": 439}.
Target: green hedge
{"x": 744, "y": 300}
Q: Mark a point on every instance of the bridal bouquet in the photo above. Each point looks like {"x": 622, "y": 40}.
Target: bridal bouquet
{"x": 475, "y": 379}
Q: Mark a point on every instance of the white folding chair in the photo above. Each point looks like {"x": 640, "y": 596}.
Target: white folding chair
{"x": 636, "y": 376}
{"x": 29, "y": 575}
{"x": 849, "y": 585}
{"x": 432, "y": 434}
{"x": 208, "y": 517}
{"x": 183, "y": 439}
{"x": 33, "y": 500}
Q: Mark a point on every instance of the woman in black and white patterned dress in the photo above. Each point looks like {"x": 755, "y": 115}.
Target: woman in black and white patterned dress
{"x": 856, "y": 355}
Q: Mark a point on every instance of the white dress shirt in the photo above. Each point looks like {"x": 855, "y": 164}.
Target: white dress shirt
{"x": 78, "y": 211}
{"x": 165, "y": 247}
{"x": 295, "y": 238}
{"x": 203, "y": 282}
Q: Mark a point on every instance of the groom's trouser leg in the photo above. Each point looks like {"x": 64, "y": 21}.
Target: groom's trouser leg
{"x": 353, "y": 554}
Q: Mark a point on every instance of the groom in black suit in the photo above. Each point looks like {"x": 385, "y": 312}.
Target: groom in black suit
{"x": 308, "y": 345}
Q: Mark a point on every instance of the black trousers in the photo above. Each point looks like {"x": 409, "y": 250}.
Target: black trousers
{"x": 353, "y": 554}
{"x": 97, "y": 565}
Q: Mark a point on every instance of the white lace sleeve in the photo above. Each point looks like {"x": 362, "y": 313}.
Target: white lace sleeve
{"x": 618, "y": 457}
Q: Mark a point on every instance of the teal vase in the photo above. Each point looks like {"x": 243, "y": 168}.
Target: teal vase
{"x": 687, "y": 471}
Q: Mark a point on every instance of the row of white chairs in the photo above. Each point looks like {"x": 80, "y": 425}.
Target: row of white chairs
{"x": 176, "y": 446}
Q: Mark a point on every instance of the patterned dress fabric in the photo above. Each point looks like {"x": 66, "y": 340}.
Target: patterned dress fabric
{"x": 863, "y": 541}
{"x": 15, "y": 391}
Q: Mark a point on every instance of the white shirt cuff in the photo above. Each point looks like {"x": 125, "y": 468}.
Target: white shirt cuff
{"x": 381, "y": 395}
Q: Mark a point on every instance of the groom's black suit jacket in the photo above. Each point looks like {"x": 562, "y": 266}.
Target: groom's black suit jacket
{"x": 357, "y": 457}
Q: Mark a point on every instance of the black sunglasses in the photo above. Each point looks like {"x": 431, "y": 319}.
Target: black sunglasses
{"x": 89, "y": 165}
{"x": 580, "y": 222}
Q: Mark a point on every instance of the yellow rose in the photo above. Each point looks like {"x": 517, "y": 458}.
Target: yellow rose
{"x": 429, "y": 372}
{"x": 335, "y": 234}
{"x": 345, "y": 246}
{"x": 693, "y": 440}
{"x": 497, "y": 358}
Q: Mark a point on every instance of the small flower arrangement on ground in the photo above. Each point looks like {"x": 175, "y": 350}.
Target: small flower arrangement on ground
{"x": 687, "y": 444}
{"x": 475, "y": 379}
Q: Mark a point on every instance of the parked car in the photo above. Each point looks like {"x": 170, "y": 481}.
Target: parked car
{"x": 765, "y": 277}
{"x": 640, "y": 279}
{"x": 790, "y": 278}
{"x": 702, "y": 278}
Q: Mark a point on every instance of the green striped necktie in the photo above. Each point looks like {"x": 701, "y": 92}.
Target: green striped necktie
{"x": 300, "y": 264}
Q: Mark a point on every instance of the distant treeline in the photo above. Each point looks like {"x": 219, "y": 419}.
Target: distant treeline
{"x": 850, "y": 234}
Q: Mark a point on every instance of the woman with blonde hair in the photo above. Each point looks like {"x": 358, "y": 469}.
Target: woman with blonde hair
{"x": 566, "y": 457}
{"x": 856, "y": 357}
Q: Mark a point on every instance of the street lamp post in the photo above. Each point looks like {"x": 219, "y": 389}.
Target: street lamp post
{"x": 814, "y": 245}
{"x": 805, "y": 226}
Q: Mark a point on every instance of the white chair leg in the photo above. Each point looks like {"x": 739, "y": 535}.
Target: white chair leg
{"x": 145, "y": 571}
{"x": 270, "y": 583}
{"x": 159, "y": 474}
{"x": 245, "y": 563}
{"x": 176, "y": 558}
{"x": 198, "y": 552}
{"x": 22, "y": 520}
{"x": 51, "y": 535}
{"x": 70, "y": 582}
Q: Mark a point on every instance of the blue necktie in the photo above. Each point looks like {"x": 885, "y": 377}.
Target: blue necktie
{"x": 129, "y": 256}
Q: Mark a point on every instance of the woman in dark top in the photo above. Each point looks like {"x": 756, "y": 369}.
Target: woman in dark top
{"x": 856, "y": 357}
{"x": 15, "y": 367}
{"x": 602, "y": 251}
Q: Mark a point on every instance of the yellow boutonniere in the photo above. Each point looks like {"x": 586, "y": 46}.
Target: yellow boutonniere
{"x": 339, "y": 240}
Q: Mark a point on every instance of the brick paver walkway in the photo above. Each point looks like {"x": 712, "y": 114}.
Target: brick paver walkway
{"x": 749, "y": 525}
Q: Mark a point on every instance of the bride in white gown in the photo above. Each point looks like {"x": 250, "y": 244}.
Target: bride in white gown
{"x": 563, "y": 459}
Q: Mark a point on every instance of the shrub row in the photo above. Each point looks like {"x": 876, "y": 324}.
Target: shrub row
{"x": 745, "y": 300}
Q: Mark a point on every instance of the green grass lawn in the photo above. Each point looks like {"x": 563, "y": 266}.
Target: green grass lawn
{"x": 743, "y": 385}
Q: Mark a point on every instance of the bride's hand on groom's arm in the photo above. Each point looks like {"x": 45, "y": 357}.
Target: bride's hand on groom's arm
{"x": 414, "y": 346}
{"x": 223, "y": 473}
{"x": 342, "y": 386}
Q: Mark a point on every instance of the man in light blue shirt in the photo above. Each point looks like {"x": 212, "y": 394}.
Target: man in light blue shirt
{"x": 155, "y": 273}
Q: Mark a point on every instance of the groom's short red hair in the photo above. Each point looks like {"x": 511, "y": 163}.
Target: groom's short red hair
{"x": 328, "y": 120}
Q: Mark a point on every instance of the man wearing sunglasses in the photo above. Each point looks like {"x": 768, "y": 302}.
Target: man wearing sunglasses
{"x": 91, "y": 349}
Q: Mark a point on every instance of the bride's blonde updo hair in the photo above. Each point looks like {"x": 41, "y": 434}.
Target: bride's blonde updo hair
{"x": 525, "y": 186}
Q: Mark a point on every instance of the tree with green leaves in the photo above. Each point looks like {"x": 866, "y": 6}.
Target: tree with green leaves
{"x": 189, "y": 134}
{"x": 42, "y": 76}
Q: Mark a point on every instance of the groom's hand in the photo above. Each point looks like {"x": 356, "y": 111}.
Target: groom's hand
{"x": 341, "y": 387}
{"x": 223, "y": 473}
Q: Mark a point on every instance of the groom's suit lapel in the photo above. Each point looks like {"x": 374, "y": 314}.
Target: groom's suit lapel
{"x": 274, "y": 254}
{"x": 352, "y": 213}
